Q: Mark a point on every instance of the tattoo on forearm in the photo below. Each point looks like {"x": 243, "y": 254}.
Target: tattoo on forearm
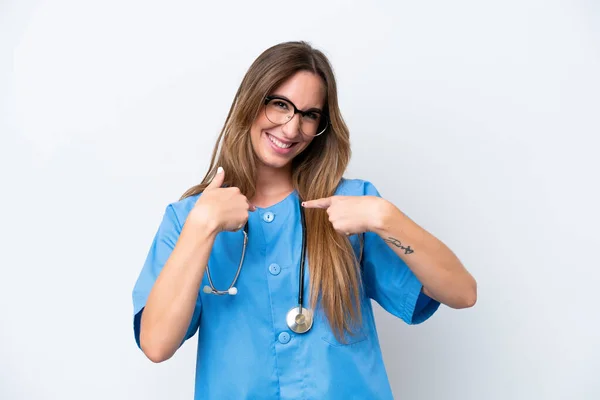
{"x": 396, "y": 242}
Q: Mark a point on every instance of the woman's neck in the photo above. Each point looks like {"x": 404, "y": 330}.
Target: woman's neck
{"x": 272, "y": 186}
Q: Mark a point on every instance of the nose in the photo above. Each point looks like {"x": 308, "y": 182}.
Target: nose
{"x": 291, "y": 129}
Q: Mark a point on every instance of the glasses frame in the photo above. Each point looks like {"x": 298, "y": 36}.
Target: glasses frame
{"x": 324, "y": 118}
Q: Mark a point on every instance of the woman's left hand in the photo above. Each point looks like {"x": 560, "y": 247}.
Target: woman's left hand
{"x": 352, "y": 214}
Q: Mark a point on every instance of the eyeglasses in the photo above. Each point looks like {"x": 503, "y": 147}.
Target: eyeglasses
{"x": 280, "y": 111}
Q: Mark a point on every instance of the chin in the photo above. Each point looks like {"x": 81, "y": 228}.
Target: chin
{"x": 271, "y": 162}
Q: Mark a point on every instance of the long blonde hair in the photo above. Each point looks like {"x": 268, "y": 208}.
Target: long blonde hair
{"x": 335, "y": 279}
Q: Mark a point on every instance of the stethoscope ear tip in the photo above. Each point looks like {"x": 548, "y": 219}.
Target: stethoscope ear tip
{"x": 208, "y": 290}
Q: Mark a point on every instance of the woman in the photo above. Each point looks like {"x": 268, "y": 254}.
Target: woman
{"x": 295, "y": 321}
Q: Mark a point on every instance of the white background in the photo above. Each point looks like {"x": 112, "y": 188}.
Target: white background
{"x": 480, "y": 120}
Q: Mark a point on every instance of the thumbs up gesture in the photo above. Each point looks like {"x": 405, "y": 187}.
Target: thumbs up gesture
{"x": 222, "y": 209}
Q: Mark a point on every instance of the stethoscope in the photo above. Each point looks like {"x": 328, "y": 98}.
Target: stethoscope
{"x": 299, "y": 319}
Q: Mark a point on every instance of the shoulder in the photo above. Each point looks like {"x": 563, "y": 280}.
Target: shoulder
{"x": 356, "y": 187}
{"x": 178, "y": 211}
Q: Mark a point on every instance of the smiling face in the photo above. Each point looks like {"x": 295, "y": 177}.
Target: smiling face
{"x": 275, "y": 145}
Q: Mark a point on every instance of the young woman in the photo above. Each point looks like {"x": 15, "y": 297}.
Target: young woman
{"x": 274, "y": 258}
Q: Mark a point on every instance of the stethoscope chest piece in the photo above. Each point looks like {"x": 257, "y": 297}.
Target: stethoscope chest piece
{"x": 299, "y": 322}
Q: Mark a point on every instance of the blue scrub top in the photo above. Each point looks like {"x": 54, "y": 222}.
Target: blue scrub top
{"x": 245, "y": 348}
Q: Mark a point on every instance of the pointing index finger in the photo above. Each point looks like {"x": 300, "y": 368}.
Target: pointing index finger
{"x": 324, "y": 202}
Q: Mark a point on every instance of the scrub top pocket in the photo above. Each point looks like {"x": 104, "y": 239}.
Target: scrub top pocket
{"x": 357, "y": 337}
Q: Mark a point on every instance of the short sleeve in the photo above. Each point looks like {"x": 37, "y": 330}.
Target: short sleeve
{"x": 390, "y": 282}
{"x": 160, "y": 250}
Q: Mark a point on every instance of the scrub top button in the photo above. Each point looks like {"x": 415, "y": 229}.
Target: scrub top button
{"x": 268, "y": 217}
{"x": 274, "y": 269}
{"x": 284, "y": 337}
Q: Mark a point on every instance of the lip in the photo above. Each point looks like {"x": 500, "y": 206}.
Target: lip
{"x": 279, "y": 150}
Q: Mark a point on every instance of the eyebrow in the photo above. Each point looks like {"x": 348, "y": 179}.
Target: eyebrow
{"x": 285, "y": 98}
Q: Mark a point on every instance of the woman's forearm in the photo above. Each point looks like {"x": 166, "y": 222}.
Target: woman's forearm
{"x": 171, "y": 302}
{"x": 443, "y": 276}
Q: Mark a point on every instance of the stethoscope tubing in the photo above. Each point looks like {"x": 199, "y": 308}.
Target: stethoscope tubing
{"x": 216, "y": 291}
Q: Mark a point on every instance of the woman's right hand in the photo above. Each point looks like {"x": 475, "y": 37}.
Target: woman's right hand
{"x": 221, "y": 209}
{"x": 171, "y": 303}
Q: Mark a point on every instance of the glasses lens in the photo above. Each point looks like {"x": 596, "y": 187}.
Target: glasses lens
{"x": 313, "y": 123}
{"x": 279, "y": 111}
